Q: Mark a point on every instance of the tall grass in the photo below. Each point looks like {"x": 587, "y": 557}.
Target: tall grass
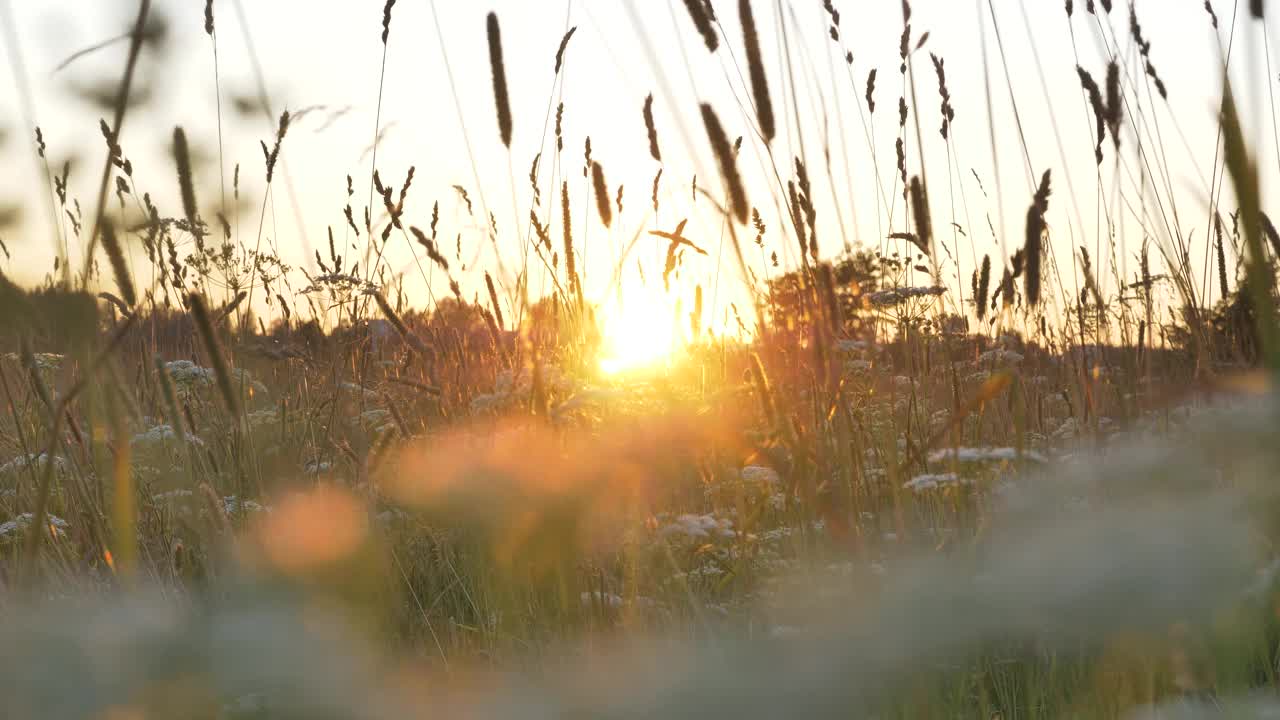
{"x": 847, "y": 489}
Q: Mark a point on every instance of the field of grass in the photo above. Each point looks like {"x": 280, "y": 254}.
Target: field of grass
{"x": 868, "y": 485}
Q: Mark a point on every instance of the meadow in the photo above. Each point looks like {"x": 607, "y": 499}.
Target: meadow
{"x": 942, "y": 471}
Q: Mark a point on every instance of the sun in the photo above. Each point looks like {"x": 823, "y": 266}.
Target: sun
{"x": 638, "y": 333}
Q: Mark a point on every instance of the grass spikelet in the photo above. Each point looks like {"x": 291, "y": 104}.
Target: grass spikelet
{"x": 493, "y": 299}
{"x": 1099, "y": 110}
{"x": 386, "y": 20}
{"x": 948, "y": 112}
{"x": 570, "y": 265}
{"x": 652, "y": 130}
{"x": 738, "y": 204}
{"x": 564, "y": 44}
{"x": 541, "y": 231}
{"x": 559, "y": 127}
{"x": 182, "y": 160}
{"x": 1115, "y": 104}
{"x": 208, "y": 17}
{"x": 601, "y": 189}
{"x": 984, "y": 287}
{"x": 1035, "y": 237}
{"x": 920, "y": 214}
{"x": 115, "y": 254}
{"x": 768, "y": 406}
{"x": 209, "y": 338}
{"x": 656, "y": 179}
{"x": 500, "y": 98}
{"x": 274, "y": 155}
{"x": 755, "y": 67}
{"x": 871, "y": 91}
{"x": 1222, "y": 255}
{"x": 433, "y": 251}
{"x": 702, "y": 21}
{"x": 1213, "y": 16}
{"x": 411, "y": 339}
{"x": 695, "y": 317}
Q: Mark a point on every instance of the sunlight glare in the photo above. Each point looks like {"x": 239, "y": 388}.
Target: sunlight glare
{"x": 637, "y": 334}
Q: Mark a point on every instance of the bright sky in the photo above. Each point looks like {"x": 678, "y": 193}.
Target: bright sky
{"x": 328, "y": 52}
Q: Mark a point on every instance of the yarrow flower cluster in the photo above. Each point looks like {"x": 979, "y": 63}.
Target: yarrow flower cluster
{"x": 159, "y": 436}
{"x": 33, "y": 461}
{"x": 699, "y": 526}
{"x": 984, "y": 455}
{"x": 189, "y": 377}
{"x": 925, "y": 483}
{"x": 45, "y": 362}
{"x": 13, "y": 529}
{"x": 897, "y": 296}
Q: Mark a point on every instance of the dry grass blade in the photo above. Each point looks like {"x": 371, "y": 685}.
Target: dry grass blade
{"x": 1273, "y": 237}
{"x": 1244, "y": 173}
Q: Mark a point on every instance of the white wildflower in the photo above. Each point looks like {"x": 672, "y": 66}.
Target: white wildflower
{"x": 317, "y": 467}
{"x": 34, "y": 461}
{"x": 984, "y": 455}
{"x": 857, "y": 366}
{"x": 491, "y": 402}
{"x": 360, "y": 392}
{"x": 607, "y": 599}
{"x": 699, "y": 526}
{"x": 895, "y": 296}
{"x": 760, "y": 475}
{"x": 14, "y": 529}
{"x": 1000, "y": 358}
{"x": 44, "y": 362}
{"x": 159, "y": 436}
{"x": 232, "y": 505}
{"x": 925, "y": 483}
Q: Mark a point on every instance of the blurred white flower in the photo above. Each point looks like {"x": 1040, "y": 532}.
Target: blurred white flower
{"x": 760, "y": 475}
{"x": 895, "y": 296}
{"x": 984, "y": 455}
{"x": 14, "y": 529}
{"x": 159, "y": 436}
{"x": 32, "y": 460}
{"x": 699, "y": 526}
{"x": 925, "y": 483}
